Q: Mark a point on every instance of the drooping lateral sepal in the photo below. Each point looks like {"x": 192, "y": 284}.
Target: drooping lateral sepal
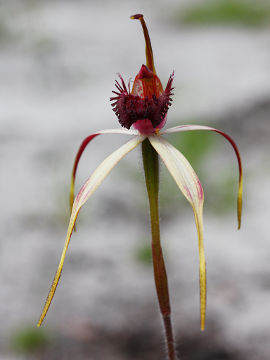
{"x": 237, "y": 153}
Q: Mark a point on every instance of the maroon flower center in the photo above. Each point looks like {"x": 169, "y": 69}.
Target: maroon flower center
{"x": 131, "y": 108}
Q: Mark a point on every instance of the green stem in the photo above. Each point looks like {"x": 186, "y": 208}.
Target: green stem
{"x": 151, "y": 170}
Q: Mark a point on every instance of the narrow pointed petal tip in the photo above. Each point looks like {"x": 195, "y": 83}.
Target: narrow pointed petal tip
{"x": 239, "y": 201}
{"x": 188, "y": 182}
{"x": 203, "y": 281}
{"x": 202, "y": 271}
{"x": 237, "y": 153}
{"x": 90, "y": 186}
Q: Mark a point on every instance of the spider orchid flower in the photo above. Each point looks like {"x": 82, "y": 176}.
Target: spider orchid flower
{"x": 145, "y": 108}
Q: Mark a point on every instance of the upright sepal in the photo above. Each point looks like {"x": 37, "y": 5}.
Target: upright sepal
{"x": 148, "y": 46}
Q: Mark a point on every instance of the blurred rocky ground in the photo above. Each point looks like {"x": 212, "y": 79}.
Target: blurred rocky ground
{"x": 58, "y": 63}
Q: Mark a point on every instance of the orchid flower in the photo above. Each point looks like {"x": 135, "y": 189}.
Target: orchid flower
{"x": 145, "y": 108}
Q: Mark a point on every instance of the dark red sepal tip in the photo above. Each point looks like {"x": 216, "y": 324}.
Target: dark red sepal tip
{"x": 137, "y": 16}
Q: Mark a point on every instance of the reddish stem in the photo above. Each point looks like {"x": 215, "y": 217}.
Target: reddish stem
{"x": 151, "y": 170}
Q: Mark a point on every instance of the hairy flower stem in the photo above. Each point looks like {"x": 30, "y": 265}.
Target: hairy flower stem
{"x": 151, "y": 170}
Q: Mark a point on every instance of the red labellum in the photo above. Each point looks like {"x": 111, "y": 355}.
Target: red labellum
{"x": 146, "y": 106}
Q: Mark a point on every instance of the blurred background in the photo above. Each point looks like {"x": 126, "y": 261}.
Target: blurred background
{"x": 58, "y": 63}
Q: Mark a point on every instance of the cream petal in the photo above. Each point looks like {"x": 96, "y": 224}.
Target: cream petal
{"x": 86, "y": 191}
{"x": 189, "y": 184}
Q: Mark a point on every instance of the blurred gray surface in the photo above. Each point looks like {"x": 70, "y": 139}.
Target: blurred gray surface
{"x": 58, "y": 62}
